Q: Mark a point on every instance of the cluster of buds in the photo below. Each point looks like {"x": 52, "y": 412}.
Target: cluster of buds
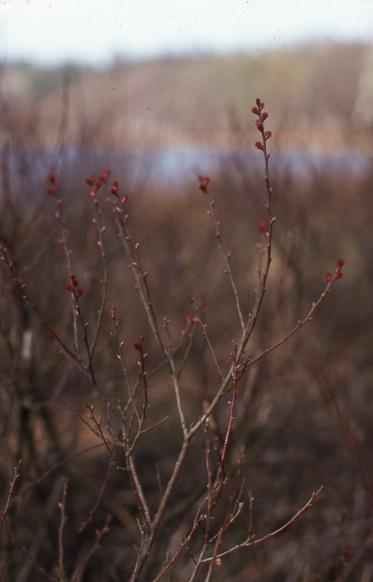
{"x": 52, "y": 187}
{"x": 95, "y": 182}
{"x": 73, "y": 287}
{"x": 203, "y": 183}
{"x": 338, "y": 271}
{"x": 262, "y": 115}
{"x": 114, "y": 190}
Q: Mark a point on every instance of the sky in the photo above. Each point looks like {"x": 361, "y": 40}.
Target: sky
{"x": 93, "y": 31}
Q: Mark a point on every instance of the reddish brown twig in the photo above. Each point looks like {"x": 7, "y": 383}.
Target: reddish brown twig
{"x": 63, "y": 519}
{"x": 99, "y": 534}
{"x": 10, "y": 495}
{"x": 252, "y": 541}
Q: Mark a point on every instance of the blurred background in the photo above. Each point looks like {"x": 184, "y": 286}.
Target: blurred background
{"x": 169, "y": 84}
{"x": 159, "y": 92}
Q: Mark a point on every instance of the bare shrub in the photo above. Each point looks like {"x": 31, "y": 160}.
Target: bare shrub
{"x": 144, "y": 417}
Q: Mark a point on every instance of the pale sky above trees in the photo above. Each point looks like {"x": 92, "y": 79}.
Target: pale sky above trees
{"x": 95, "y": 30}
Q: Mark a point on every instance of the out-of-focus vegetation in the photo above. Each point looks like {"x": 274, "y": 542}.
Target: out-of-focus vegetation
{"x": 304, "y": 414}
{"x": 322, "y": 92}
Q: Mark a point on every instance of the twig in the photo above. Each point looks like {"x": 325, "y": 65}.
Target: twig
{"x": 101, "y": 244}
{"x": 21, "y": 286}
{"x": 226, "y": 255}
{"x": 139, "y": 274}
{"x": 54, "y": 468}
{"x": 99, "y": 534}
{"x": 300, "y": 323}
{"x": 100, "y": 496}
{"x": 63, "y": 519}
{"x": 69, "y": 269}
{"x": 249, "y": 541}
{"x": 12, "y": 484}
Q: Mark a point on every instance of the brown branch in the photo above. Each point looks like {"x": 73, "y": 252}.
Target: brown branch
{"x": 139, "y": 274}
{"x": 69, "y": 269}
{"x": 175, "y": 382}
{"x": 105, "y": 280}
{"x": 99, "y": 534}
{"x": 300, "y": 323}
{"x": 12, "y": 484}
{"x": 207, "y": 339}
{"x": 63, "y": 519}
{"x": 226, "y": 255}
{"x": 250, "y": 541}
{"x": 22, "y": 288}
{"x": 100, "y": 496}
{"x": 184, "y": 542}
{"x": 54, "y": 468}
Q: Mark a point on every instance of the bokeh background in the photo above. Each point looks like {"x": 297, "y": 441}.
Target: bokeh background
{"x": 159, "y": 93}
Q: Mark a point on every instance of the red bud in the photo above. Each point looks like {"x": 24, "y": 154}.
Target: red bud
{"x": 259, "y": 125}
{"x": 262, "y": 226}
{"x": 203, "y": 183}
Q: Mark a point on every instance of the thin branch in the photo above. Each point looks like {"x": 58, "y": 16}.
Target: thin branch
{"x": 101, "y": 244}
{"x": 12, "y": 484}
{"x": 175, "y": 382}
{"x": 63, "y": 519}
{"x": 184, "y": 542}
{"x": 300, "y": 323}
{"x": 99, "y": 534}
{"x": 139, "y": 274}
{"x": 69, "y": 269}
{"x": 250, "y": 541}
{"x": 21, "y": 286}
{"x": 226, "y": 255}
{"x": 54, "y": 467}
{"x": 207, "y": 339}
{"x": 100, "y": 496}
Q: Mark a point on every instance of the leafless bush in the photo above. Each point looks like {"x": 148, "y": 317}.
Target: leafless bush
{"x": 166, "y": 405}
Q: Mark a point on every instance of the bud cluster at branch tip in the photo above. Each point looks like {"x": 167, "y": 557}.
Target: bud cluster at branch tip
{"x": 262, "y": 116}
{"x": 53, "y": 186}
{"x": 203, "y": 183}
{"x": 74, "y": 288}
{"x": 338, "y": 271}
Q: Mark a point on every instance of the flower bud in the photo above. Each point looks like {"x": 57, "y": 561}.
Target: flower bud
{"x": 262, "y": 226}
{"x": 259, "y": 125}
{"x": 203, "y": 183}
